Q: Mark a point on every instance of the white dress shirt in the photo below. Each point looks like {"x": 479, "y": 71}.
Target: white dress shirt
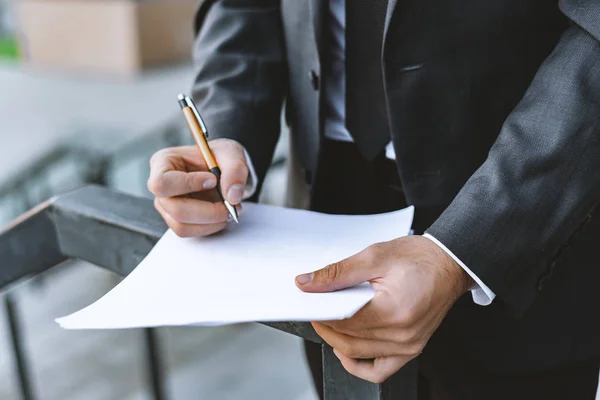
{"x": 334, "y": 111}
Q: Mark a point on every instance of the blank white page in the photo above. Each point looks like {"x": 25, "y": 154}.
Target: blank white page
{"x": 245, "y": 273}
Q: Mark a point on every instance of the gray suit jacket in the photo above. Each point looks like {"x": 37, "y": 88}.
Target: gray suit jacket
{"x": 495, "y": 117}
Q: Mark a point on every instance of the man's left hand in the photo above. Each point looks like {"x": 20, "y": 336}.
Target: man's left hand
{"x": 416, "y": 284}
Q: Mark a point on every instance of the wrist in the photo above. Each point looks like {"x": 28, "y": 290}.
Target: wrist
{"x": 461, "y": 281}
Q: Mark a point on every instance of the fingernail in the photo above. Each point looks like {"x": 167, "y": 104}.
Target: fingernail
{"x": 304, "y": 278}
{"x": 235, "y": 193}
{"x": 335, "y": 351}
{"x": 209, "y": 183}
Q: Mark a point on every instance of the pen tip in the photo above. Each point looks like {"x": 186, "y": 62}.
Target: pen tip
{"x": 232, "y": 211}
{"x": 181, "y": 97}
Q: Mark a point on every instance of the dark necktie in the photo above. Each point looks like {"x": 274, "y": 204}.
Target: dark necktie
{"x": 366, "y": 109}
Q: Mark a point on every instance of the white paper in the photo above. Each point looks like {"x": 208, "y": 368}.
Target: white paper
{"x": 245, "y": 273}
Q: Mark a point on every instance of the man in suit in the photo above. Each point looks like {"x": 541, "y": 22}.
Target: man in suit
{"x": 484, "y": 115}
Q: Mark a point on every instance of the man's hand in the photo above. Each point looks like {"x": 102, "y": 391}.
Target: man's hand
{"x": 184, "y": 188}
{"x": 416, "y": 283}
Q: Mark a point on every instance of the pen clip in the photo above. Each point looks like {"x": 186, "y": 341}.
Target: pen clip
{"x": 192, "y": 105}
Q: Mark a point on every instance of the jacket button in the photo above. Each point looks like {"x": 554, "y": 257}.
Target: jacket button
{"x": 314, "y": 80}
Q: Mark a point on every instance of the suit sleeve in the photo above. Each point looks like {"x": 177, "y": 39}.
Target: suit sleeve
{"x": 541, "y": 179}
{"x": 241, "y": 74}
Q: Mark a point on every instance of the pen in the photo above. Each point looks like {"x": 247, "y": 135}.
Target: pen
{"x": 200, "y": 134}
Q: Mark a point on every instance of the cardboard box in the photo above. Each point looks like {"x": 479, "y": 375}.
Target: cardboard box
{"x": 109, "y": 36}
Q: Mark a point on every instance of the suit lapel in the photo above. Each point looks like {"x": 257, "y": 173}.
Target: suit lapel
{"x": 388, "y": 17}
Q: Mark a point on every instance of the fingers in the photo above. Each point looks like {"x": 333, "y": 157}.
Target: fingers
{"x": 185, "y": 229}
{"x": 367, "y": 326}
{"x": 352, "y": 271}
{"x": 178, "y": 183}
{"x": 351, "y": 346}
{"x": 371, "y": 360}
{"x": 177, "y": 171}
{"x": 376, "y": 371}
{"x": 181, "y": 183}
{"x": 372, "y": 343}
{"x": 192, "y": 211}
{"x": 375, "y": 323}
{"x": 374, "y": 317}
{"x": 234, "y": 170}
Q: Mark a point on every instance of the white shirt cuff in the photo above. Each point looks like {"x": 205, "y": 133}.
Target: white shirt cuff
{"x": 481, "y": 293}
{"x": 252, "y": 182}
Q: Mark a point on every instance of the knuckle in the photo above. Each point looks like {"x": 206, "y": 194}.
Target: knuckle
{"x": 379, "y": 378}
{"x": 409, "y": 337}
{"x": 371, "y": 253}
{"x": 155, "y": 185}
{"x": 378, "y": 248}
{"x": 155, "y": 157}
{"x": 347, "y": 349}
{"x": 179, "y": 229}
{"x": 225, "y": 143}
{"x": 240, "y": 167}
{"x": 418, "y": 349}
{"x": 409, "y": 342}
{"x": 149, "y": 185}
{"x": 189, "y": 184}
{"x": 160, "y": 155}
{"x": 331, "y": 273}
{"x": 414, "y": 349}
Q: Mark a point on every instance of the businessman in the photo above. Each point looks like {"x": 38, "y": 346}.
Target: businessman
{"x": 484, "y": 115}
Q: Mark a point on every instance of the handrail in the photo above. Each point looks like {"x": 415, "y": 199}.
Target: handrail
{"x": 116, "y": 231}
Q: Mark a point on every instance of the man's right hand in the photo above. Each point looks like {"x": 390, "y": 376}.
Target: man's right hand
{"x": 185, "y": 190}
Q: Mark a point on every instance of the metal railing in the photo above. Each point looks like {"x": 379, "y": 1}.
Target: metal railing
{"x": 116, "y": 231}
{"x": 69, "y": 165}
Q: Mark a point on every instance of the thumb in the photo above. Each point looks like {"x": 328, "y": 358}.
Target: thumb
{"x": 340, "y": 275}
{"x": 234, "y": 169}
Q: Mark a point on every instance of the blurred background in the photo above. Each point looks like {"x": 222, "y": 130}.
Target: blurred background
{"x": 87, "y": 93}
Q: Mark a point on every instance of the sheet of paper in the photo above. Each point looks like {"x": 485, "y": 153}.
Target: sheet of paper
{"x": 245, "y": 273}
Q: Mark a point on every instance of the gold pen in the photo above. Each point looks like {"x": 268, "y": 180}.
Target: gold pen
{"x": 200, "y": 134}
